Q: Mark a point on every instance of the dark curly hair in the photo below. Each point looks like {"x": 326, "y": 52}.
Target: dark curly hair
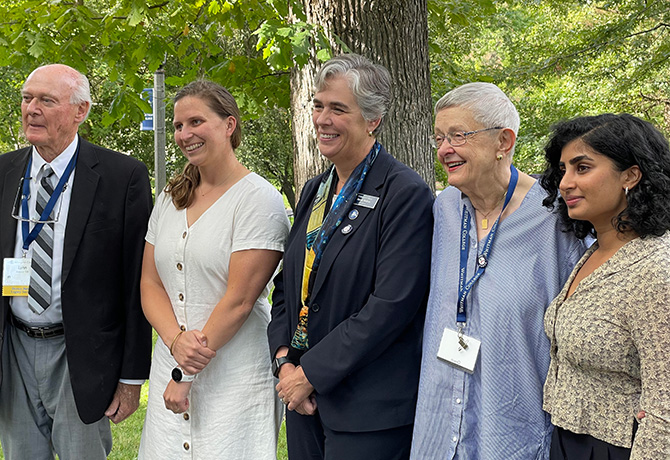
{"x": 627, "y": 141}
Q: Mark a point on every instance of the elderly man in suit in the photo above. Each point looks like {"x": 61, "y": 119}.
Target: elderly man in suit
{"x": 75, "y": 344}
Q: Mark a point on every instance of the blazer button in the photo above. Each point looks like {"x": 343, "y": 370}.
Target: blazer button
{"x": 315, "y": 307}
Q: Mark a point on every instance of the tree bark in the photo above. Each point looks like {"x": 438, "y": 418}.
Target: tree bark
{"x": 393, "y": 33}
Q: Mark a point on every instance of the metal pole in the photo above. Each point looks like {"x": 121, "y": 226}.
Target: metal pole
{"x": 159, "y": 129}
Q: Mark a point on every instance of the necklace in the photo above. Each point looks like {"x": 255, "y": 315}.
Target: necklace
{"x": 219, "y": 184}
{"x": 485, "y": 220}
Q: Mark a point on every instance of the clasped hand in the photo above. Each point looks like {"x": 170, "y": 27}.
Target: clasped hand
{"x": 176, "y": 396}
{"x": 191, "y": 352}
{"x": 295, "y": 390}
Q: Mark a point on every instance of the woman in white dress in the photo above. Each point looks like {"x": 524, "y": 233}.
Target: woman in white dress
{"x": 215, "y": 238}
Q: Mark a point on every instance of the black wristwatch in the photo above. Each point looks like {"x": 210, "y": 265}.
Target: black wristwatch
{"x": 277, "y": 363}
{"x": 179, "y": 376}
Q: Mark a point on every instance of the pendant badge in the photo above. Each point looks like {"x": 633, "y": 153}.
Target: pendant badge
{"x": 459, "y": 350}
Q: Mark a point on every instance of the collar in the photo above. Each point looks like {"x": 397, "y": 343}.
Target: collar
{"x": 59, "y": 164}
{"x": 629, "y": 254}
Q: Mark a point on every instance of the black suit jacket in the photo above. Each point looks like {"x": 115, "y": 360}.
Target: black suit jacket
{"x": 106, "y": 334}
{"x": 367, "y": 305}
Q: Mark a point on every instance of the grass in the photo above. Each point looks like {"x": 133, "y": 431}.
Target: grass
{"x": 127, "y": 434}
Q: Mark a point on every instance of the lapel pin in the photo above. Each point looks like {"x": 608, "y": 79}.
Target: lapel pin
{"x": 353, "y": 215}
{"x": 347, "y": 229}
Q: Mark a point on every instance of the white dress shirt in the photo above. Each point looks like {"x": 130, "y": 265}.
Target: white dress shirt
{"x": 19, "y": 304}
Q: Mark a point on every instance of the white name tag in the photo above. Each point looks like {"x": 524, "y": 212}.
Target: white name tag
{"x": 366, "y": 201}
{"x": 453, "y": 352}
{"x": 15, "y": 276}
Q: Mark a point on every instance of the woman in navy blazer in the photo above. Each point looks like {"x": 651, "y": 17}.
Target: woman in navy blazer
{"x": 345, "y": 334}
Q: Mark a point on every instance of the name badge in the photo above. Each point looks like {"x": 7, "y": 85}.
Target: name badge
{"x": 459, "y": 351}
{"x": 15, "y": 276}
{"x": 366, "y": 201}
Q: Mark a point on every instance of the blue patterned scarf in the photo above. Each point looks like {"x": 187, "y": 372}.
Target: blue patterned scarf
{"x": 320, "y": 230}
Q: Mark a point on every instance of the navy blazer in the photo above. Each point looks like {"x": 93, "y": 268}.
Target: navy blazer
{"x": 106, "y": 335}
{"x": 367, "y": 306}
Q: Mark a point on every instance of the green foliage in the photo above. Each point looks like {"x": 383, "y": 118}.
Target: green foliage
{"x": 267, "y": 150}
{"x": 556, "y": 59}
{"x": 10, "y": 110}
{"x": 249, "y": 46}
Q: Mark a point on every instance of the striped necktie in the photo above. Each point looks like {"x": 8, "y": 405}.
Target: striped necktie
{"x": 39, "y": 293}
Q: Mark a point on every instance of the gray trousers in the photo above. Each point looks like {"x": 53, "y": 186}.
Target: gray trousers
{"x": 38, "y": 416}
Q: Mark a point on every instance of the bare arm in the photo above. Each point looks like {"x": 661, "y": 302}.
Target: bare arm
{"x": 250, "y": 271}
{"x": 190, "y": 349}
{"x": 155, "y": 302}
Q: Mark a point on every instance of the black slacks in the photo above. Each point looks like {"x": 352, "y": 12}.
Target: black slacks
{"x": 308, "y": 439}
{"x": 566, "y": 445}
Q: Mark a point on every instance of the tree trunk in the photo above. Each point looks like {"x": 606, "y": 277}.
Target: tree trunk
{"x": 393, "y": 33}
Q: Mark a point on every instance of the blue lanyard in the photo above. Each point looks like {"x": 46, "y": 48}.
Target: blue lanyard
{"x": 482, "y": 260}
{"x": 30, "y": 237}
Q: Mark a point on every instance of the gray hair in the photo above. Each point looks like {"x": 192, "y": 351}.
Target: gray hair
{"x": 370, "y": 83}
{"x": 81, "y": 88}
{"x": 488, "y": 104}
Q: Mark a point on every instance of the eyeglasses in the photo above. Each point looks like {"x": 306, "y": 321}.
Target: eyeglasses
{"x": 16, "y": 209}
{"x": 457, "y": 138}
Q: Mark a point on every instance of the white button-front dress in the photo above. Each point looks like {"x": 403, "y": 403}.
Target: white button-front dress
{"x": 234, "y": 413}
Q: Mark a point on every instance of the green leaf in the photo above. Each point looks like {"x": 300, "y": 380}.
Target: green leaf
{"x": 323, "y": 55}
{"x": 108, "y": 119}
{"x": 37, "y": 48}
{"x": 284, "y": 31}
{"x": 136, "y": 15}
{"x": 227, "y": 6}
{"x": 214, "y": 7}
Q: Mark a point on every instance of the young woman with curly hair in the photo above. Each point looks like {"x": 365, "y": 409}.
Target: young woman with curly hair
{"x": 610, "y": 324}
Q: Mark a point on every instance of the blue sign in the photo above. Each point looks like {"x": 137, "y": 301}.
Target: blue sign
{"x": 148, "y": 123}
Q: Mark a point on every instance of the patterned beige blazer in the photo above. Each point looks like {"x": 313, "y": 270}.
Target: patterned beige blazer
{"x": 609, "y": 350}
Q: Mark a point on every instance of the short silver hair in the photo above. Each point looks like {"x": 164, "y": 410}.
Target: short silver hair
{"x": 488, "y": 104}
{"x": 81, "y": 88}
{"x": 370, "y": 83}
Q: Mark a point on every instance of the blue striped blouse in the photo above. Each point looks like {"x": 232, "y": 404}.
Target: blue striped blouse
{"x": 496, "y": 412}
